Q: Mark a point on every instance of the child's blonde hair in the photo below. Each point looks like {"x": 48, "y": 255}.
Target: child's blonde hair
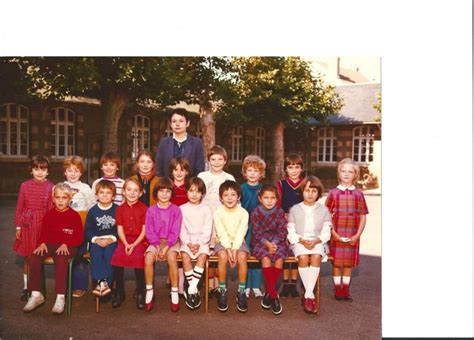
{"x": 62, "y": 187}
{"x": 255, "y": 162}
{"x": 143, "y": 153}
{"x": 351, "y": 162}
{"x": 134, "y": 180}
{"x": 77, "y": 161}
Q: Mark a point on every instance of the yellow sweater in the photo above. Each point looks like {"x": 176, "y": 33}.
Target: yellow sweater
{"x": 231, "y": 226}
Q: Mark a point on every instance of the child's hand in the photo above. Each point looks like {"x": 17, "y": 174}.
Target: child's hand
{"x": 230, "y": 257}
{"x": 129, "y": 249}
{"x": 164, "y": 252}
{"x": 102, "y": 242}
{"x": 41, "y": 249}
{"x": 354, "y": 240}
{"x": 269, "y": 246}
{"x": 62, "y": 250}
{"x": 18, "y": 234}
{"x": 309, "y": 244}
{"x": 194, "y": 248}
{"x": 336, "y": 237}
{"x": 274, "y": 249}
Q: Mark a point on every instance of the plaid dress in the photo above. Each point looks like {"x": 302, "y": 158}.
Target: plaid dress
{"x": 345, "y": 206}
{"x": 269, "y": 227}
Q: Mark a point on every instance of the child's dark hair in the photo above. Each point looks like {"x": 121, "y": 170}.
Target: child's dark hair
{"x": 143, "y": 153}
{"x": 183, "y": 163}
{"x": 294, "y": 158}
{"x": 105, "y": 184}
{"x": 111, "y": 157}
{"x": 314, "y": 182}
{"x": 180, "y": 111}
{"x": 217, "y": 150}
{"x": 39, "y": 162}
{"x": 229, "y": 185}
{"x": 163, "y": 183}
{"x": 198, "y": 183}
{"x": 268, "y": 187}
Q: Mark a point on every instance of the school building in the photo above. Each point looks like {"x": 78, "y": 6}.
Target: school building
{"x": 75, "y": 127}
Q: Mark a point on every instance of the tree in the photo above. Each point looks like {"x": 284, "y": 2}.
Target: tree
{"x": 282, "y": 92}
{"x": 211, "y": 86}
{"x": 115, "y": 81}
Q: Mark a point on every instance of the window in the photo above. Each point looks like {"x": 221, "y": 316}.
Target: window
{"x": 140, "y": 134}
{"x": 237, "y": 144}
{"x": 363, "y": 144}
{"x": 166, "y": 127}
{"x": 326, "y": 145}
{"x": 260, "y": 142}
{"x": 14, "y": 134}
{"x": 63, "y": 136}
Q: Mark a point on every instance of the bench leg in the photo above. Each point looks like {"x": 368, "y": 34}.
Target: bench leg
{"x": 97, "y": 304}
{"x": 318, "y": 293}
{"x": 206, "y": 288}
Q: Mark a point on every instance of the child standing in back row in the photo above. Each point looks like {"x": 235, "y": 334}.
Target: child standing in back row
{"x": 349, "y": 209}
{"x": 109, "y": 165}
{"x": 289, "y": 193}
{"x": 34, "y": 200}
{"x": 145, "y": 173}
{"x": 253, "y": 170}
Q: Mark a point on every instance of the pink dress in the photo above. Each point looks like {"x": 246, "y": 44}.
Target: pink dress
{"x": 34, "y": 200}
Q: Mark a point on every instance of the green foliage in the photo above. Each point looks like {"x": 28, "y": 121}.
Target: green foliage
{"x": 282, "y": 89}
{"x": 378, "y": 106}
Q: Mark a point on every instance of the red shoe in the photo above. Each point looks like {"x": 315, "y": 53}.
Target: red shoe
{"x": 315, "y": 306}
{"x": 346, "y": 293}
{"x": 308, "y": 305}
{"x": 174, "y": 307}
{"x": 339, "y": 293}
{"x": 149, "y": 306}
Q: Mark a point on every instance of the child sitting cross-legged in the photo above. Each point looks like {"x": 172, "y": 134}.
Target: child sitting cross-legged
{"x": 231, "y": 223}
{"x": 61, "y": 234}
{"x": 101, "y": 232}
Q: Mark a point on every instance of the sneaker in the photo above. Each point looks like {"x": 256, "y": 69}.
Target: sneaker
{"x": 222, "y": 305}
{"x": 33, "y": 303}
{"x": 24, "y": 295}
{"x": 266, "y": 301}
{"x": 197, "y": 300}
{"x": 77, "y": 293}
{"x": 190, "y": 301}
{"x": 285, "y": 291}
{"x": 277, "y": 308}
{"x": 58, "y": 307}
{"x": 214, "y": 293}
{"x": 241, "y": 300}
{"x": 104, "y": 288}
{"x": 247, "y": 292}
{"x": 257, "y": 292}
{"x": 293, "y": 291}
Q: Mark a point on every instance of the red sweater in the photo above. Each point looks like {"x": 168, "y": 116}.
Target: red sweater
{"x": 62, "y": 227}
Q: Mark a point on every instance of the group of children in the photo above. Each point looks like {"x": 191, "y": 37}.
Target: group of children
{"x": 146, "y": 218}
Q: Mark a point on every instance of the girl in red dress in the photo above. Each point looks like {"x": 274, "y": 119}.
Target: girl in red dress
{"x": 348, "y": 209}
{"x": 34, "y": 200}
{"x": 130, "y": 220}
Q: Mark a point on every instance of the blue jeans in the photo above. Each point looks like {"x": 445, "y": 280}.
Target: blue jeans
{"x": 100, "y": 258}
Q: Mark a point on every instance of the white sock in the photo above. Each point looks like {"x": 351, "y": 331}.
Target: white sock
{"x": 346, "y": 280}
{"x": 189, "y": 277}
{"x": 303, "y": 271}
{"x": 149, "y": 293}
{"x": 174, "y": 295}
{"x": 337, "y": 280}
{"x": 313, "y": 273}
{"x": 25, "y": 281}
{"x": 60, "y": 297}
{"x": 35, "y": 293}
{"x": 197, "y": 274}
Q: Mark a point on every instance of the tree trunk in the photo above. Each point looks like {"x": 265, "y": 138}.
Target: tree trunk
{"x": 113, "y": 105}
{"x": 278, "y": 151}
{"x": 208, "y": 126}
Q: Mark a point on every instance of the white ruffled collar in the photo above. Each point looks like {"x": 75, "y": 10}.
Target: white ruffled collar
{"x": 343, "y": 188}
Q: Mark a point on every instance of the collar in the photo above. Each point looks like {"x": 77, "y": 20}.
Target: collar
{"x": 343, "y": 188}
{"x": 182, "y": 140}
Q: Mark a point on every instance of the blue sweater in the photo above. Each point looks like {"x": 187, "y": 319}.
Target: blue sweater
{"x": 100, "y": 222}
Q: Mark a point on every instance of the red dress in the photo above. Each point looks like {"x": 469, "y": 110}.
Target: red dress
{"x": 34, "y": 200}
{"x": 132, "y": 219}
{"x": 180, "y": 195}
{"x": 345, "y": 206}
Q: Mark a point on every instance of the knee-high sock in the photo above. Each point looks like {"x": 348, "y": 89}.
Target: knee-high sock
{"x": 197, "y": 274}
{"x": 313, "y": 273}
{"x": 276, "y": 273}
{"x": 269, "y": 282}
{"x": 303, "y": 271}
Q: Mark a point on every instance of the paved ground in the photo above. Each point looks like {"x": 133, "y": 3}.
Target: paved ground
{"x": 359, "y": 319}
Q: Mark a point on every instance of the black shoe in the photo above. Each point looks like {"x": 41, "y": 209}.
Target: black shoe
{"x": 285, "y": 291}
{"x": 189, "y": 300}
{"x": 293, "y": 291}
{"x": 276, "y": 306}
{"x": 222, "y": 305}
{"x": 25, "y": 294}
{"x": 266, "y": 301}
{"x": 117, "y": 300}
{"x": 197, "y": 300}
{"x": 140, "y": 300}
{"x": 241, "y": 300}
{"x": 214, "y": 293}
